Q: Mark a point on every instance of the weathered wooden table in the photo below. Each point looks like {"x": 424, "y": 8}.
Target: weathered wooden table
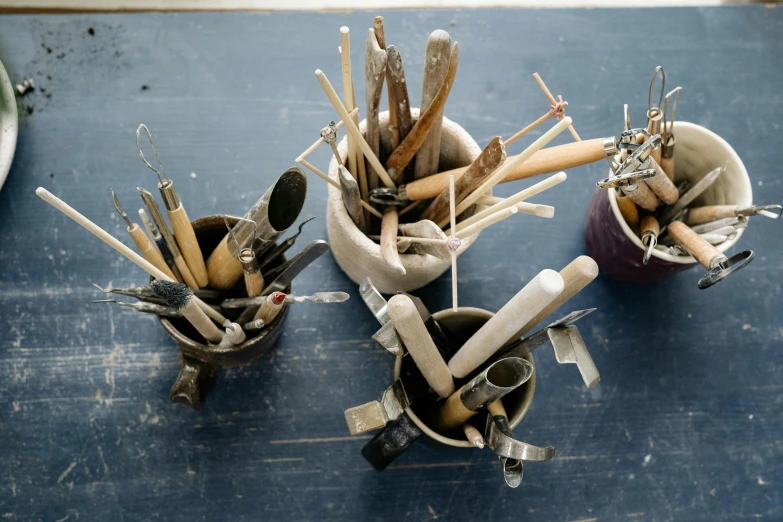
{"x": 685, "y": 425}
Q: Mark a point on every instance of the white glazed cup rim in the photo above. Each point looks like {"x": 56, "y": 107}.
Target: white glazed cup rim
{"x": 690, "y": 130}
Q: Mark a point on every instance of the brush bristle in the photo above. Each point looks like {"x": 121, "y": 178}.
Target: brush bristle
{"x": 176, "y": 295}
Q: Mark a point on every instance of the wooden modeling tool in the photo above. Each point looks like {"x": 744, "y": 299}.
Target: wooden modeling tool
{"x": 234, "y": 333}
{"x": 641, "y": 160}
{"x": 283, "y": 246}
{"x": 668, "y": 139}
{"x": 160, "y": 244}
{"x": 453, "y": 243}
{"x": 402, "y": 108}
{"x": 525, "y": 305}
{"x": 654, "y": 112}
{"x": 531, "y": 209}
{"x": 495, "y": 382}
{"x": 649, "y": 230}
{"x": 180, "y": 223}
{"x": 352, "y": 198}
{"x": 389, "y": 240}
{"x": 273, "y": 213}
{"x": 353, "y": 129}
{"x": 374, "y": 73}
{"x": 380, "y": 36}
{"x": 270, "y": 308}
{"x": 118, "y": 246}
{"x": 628, "y": 210}
{"x": 708, "y": 214}
{"x": 436, "y": 65}
{"x": 717, "y": 264}
{"x": 692, "y": 193}
{"x": 413, "y": 140}
{"x": 410, "y": 327}
{"x": 160, "y": 222}
{"x": 180, "y": 297}
{"x": 473, "y": 435}
{"x": 146, "y": 247}
{"x": 254, "y": 280}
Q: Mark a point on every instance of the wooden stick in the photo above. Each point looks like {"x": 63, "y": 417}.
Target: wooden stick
{"x": 641, "y": 194}
{"x": 511, "y": 163}
{"x": 411, "y": 329}
{"x": 149, "y": 250}
{"x": 353, "y": 129}
{"x": 553, "y": 101}
{"x": 708, "y": 214}
{"x": 453, "y": 251}
{"x": 493, "y": 155}
{"x": 348, "y": 94}
{"x": 628, "y": 210}
{"x": 531, "y": 209}
{"x": 516, "y": 198}
{"x": 486, "y": 221}
{"x": 119, "y": 246}
{"x": 412, "y": 141}
{"x": 380, "y": 36}
{"x": 526, "y": 304}
{"x": 700, "y": 249}
{"x": 270, "y": 308}
{"x": 196, "y": 316}
{"x": 399, "y": 89}
{"x": 389, "y": 240}
{"x": 320, "y": 140}
{"x": 234, "y": 332}
{"x": 436, "y": 63}
{"x": 351, "y": 198}
{"x": 527, "y": 129}
{"x": 662, "y": 186}
{"x": 374, "y": 73}
{"x": 188, "y": 245}
{"x": 315, "y": 170}
{"x": 473, "y": 435}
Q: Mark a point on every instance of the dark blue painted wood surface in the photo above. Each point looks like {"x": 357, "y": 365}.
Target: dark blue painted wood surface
{"x": 686, "y": 423}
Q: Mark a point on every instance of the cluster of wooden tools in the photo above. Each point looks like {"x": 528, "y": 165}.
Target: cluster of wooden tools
{"x": 398, "y": 196}
{"x": 444, "y": 386}
{"x": 657, "y": 208}
{"x": 244, "y": 276}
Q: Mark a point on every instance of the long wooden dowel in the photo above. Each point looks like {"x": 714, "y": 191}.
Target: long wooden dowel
{"x": 149, "y": 250}
{"x": 374, "y": 73}
{"x": 512, "y": 163}
{"x": 353, "y": 129}
{"x": 483, "y": 223}
{"x": 553, "y": 101}
{"x": 380, "y": 36}
{"x": 531, "y": 209}
{"x": 120, "y": 247}
{"x": 706, "y": 254}
{"x": 527, "y": 129}
{"x": 389, "y": 252}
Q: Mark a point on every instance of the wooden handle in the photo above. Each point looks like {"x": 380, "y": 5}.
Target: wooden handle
{"x": 642, "y": 196}
{"x": 374, "y": 73}
{"x": 525, "y": 305}
{"x": 223, "y": 269}
{"x": 410, "y": 327}
{"x": 389, "y": 240}
{"x": 701, "y": 215}
{"x": 254, "y": 283}
{"x": 188, "y": 245}
{"x": 702, "y": 251}
{"x": 628, "y": 210}
{"x": 576, "y": 275}
{"x": 543, "y": 161}
{"x": 201, "y": 322}
{"x": 452, "y": 413}
{"x": 148, "y": 250}
{"x": 399, "y": 88}
{"x": 270, "y": 308}
{"x": 667, "y": 164}
{"x": 662, "y": 186}
{"x": 649, "y": 224}
{"x": 184, "y": 271}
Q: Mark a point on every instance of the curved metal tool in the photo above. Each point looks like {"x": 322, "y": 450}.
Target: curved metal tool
{"x": 512, "y": 452}
{"x": 723, "y": 268}
{"x": 625, "y": 180}
{"x": 374, "y": 301}
{"x": 388, "y": 197}
{"x": 770, "y": 211}
{"x": 376, "y": 414}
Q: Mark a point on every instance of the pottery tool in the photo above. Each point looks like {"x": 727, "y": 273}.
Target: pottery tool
{"x": 377, "y": 414}
{"x": 180, "y": 223}
{"x": 254, "y": 280}
{"x": 337, "y": 126}
{"x": 525, "y": 305}
{"x": 270, "y": 308}
{"x": 493, "y": 155}
{"x": 118, "y": 246}
{"x": 180, "y": 297}
{"x": 391, "y": 442}
{"x": 234, "y": 332}
{"x": 402, "y": 107}
{"x": 374, "y": 73}
{"x": 717, "y": 264}
{"x": 628, "y": 210}
{"x": 695, "y": 191}
{"x": 273, "y": 214}
{"x": 436, "y": 64}
{"x": 355, "y": 158}
{"x": 654, "y": 113}
{"x": 512, "y": 468}
{"x": 253, "y": 325}
{"x": 531, "y": 209}
{"x": 410, "y": 327}
{"x": 568, "y": 345}
{"x": 576, "y": 276}
{"x": 667, "y": 134}
{"x": 282, "y": 275}
{"x": 318, "y": 298}
{"x": 329, "y": 135}
{"x": 389, "y": 240}
{"x": 160, "y": 222}
{"x": 143, "y": 293}
{"x": 631, "y": 182}
{"x": 380, "y": 36}
{"x": 352, "y": 198}
{"x": 454, "y": 242}
{"x": 642, "y": 160}
{"x": 146, "y": 247}
{"x": 701, "y": 215}
{"x": 414, "y": 138}
{"x": 145, "y": 307}
{"x": 282, "y": 247}
{"x": 483, "y": 223}
{"x": 496, "y": 381}
{"x": 511, "y": 451}
{"x": 353, "y": 129}
{"x": 160, "y": 244}
{"x": 473, "y": 435}
{"x": 716, "y": 238}
{"x": 649, "y": 229}
{"x": 723, "y": 224}
{"x": 509, "y": 203}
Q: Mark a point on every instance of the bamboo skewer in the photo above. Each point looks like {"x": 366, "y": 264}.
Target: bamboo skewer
{"x": 118, "y": 246}
{"x": 531, "y": 209}
{"x": 483, "y": 223}
{"x": 348, "y": 96}
{"x": 529, "y": 128}
{"x": 374, "y": 73}
{"x": 453, "y": 244}
{"x": 389, "y": 252}
{"x": 321, "y": 140}
{"x": 554, "y": 103}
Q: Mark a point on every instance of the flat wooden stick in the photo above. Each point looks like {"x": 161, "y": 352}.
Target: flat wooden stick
{"x": 374, "y": 73}
{"x": 483, "y": 223}
{"x": 380, "y": 36}
{"x": 511, "y": 163}
{"x": 422, "y": 240}
{"x": 353, "y": 129}
{"x": 436, "y": 64}
{"x": 527, "y": 129}
{"x": 120, "y": 247}
{"x": 399, "y": 88}
{"x": 319, "y": 141}
{"x": 318, "y": 172}
{"x": 411, "y": 143}
{"x": 389, "y": 240}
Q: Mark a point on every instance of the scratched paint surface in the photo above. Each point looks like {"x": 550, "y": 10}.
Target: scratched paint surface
{"x": 686, "y": 424}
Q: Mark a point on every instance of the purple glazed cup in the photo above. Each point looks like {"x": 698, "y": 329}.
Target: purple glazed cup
{"x": 618, "y": 250}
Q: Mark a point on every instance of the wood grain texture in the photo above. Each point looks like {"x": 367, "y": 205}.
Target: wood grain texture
{"x": 188, "y": 245}
{"x": 148, "y": 250}
{"x": 87, "y": 427}
{"x": 701, "y": 250}
{"x": 436, "y": 64}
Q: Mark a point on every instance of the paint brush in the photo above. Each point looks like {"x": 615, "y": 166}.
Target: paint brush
{"x": 181, "y": 298}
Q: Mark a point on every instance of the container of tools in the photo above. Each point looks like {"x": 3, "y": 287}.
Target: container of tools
{"x": 359, "y": 256}
{"x": 200, "y": 359}
{"x": 614, "y": 240}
